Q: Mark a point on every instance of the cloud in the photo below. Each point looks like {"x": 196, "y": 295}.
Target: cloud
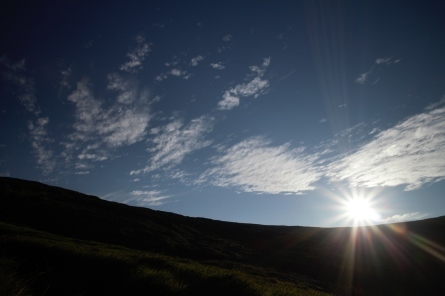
{"x": 410, "y": 153}
{"x": 82, "y": 173}
{"x": 404, "y": 217}
{"x": 127, "y": 90}
{"x": 254, "y": 87}
{"x": 39, "y": 142}
{"x": 362, "y": 78}
{"x": 174, "y": 141}
{"x": 137, "y": 55}
{"x": 227, "y": 37}
{"x": 195, "y": 61}
{"x": 161, "y": 77}
{"x": 437, "y": 104}
{"x": 217, "y": 66}
{"x": 382, "y": 60}
{"x": 118, "y": 125}
{"x": 229, "y": 101}
{"x": 177, "y": 72}
{"x": 65, "y": 78}
{"x": 173, "y": 72}
{"x": 92, "y": 156}
{"x": 253, "y": 165}
{"x": 15, "y": 74}
{"x": 100, "y": 127}
{"x": 149, "y": 198}
{"x": 159, "y": 25}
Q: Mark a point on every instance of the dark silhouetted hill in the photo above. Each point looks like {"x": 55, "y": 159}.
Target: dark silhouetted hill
{"x": 394, "y": 259}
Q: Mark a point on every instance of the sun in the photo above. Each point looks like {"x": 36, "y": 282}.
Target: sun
{"x": 355, "y": 206}
{"x": 360, "y": 211}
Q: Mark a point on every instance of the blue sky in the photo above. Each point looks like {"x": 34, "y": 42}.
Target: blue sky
{"x": 269, "y": 112}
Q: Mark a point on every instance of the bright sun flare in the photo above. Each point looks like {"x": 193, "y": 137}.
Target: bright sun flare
{"x": 360, "y": 210}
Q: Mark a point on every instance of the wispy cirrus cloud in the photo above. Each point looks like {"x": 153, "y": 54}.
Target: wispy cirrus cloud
{"x": 137, "y": 55}
{"x": 15, "y": 73}
{"x": 362, "y": 78}
{"x": 254, "y": 87}
{"x": 365, "y": 77}
{"x": 175, "y": 140}
{"x": 82, "y": 173}
{"x": 39, "y": 141}
{"x": 410, "y": 153}
{"x": 386, "y": 61}
{"x": 148, "y": 197}
{"x": 404, "y": 217}
{"x": 382, "y": 60}
{"x": 138, "y": 197}
{"x": 125, "y": 88}
{"x": 253, "y": 165}
{"x": 117, "y": 125}
{"x": 24, "y": 90}
{"x": 100, "y": 127}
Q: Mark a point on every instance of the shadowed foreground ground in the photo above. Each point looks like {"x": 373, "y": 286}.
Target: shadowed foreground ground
{"x": 55, "y": 241}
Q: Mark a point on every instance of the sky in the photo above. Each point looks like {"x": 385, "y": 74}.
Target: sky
{"x": 266, "y": 112}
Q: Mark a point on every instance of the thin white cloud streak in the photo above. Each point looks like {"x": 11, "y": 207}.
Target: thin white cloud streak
{"x": 149, "y": 198}
{"x": 39, "y": 142}
{"x": 254, "y": 87}
{"x": 174, "y": 141}
{"x": 435, "y": 105}
{"x": 15, "y": 73}
{"x": 386, "y": 61}
{"x": 92, "y": 156}
{"x": 404, "y": 217}
{"x": 382, "y": 60}
{"x": 136, "y": 56}
{"x": 410, "y": 153}
{"x": 253, "y": 165}
{"x": 364, "y": 77}
{"x": 138, "y": 197}
{"x": 82, "y": 173}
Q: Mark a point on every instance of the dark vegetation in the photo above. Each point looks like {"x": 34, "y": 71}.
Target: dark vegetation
{"x": 55, "y": 241}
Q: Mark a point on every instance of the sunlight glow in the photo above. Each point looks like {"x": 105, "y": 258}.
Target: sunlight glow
{"x": 360, "y": 210}
{"x": 356, "y": 206}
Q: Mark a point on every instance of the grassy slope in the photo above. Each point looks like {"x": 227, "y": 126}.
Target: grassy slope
{"x": 39, "y": 263}
{"x": 394, "y": 259}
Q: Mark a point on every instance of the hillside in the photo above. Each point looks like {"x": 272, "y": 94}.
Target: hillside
{"x": 45, "y": 229}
